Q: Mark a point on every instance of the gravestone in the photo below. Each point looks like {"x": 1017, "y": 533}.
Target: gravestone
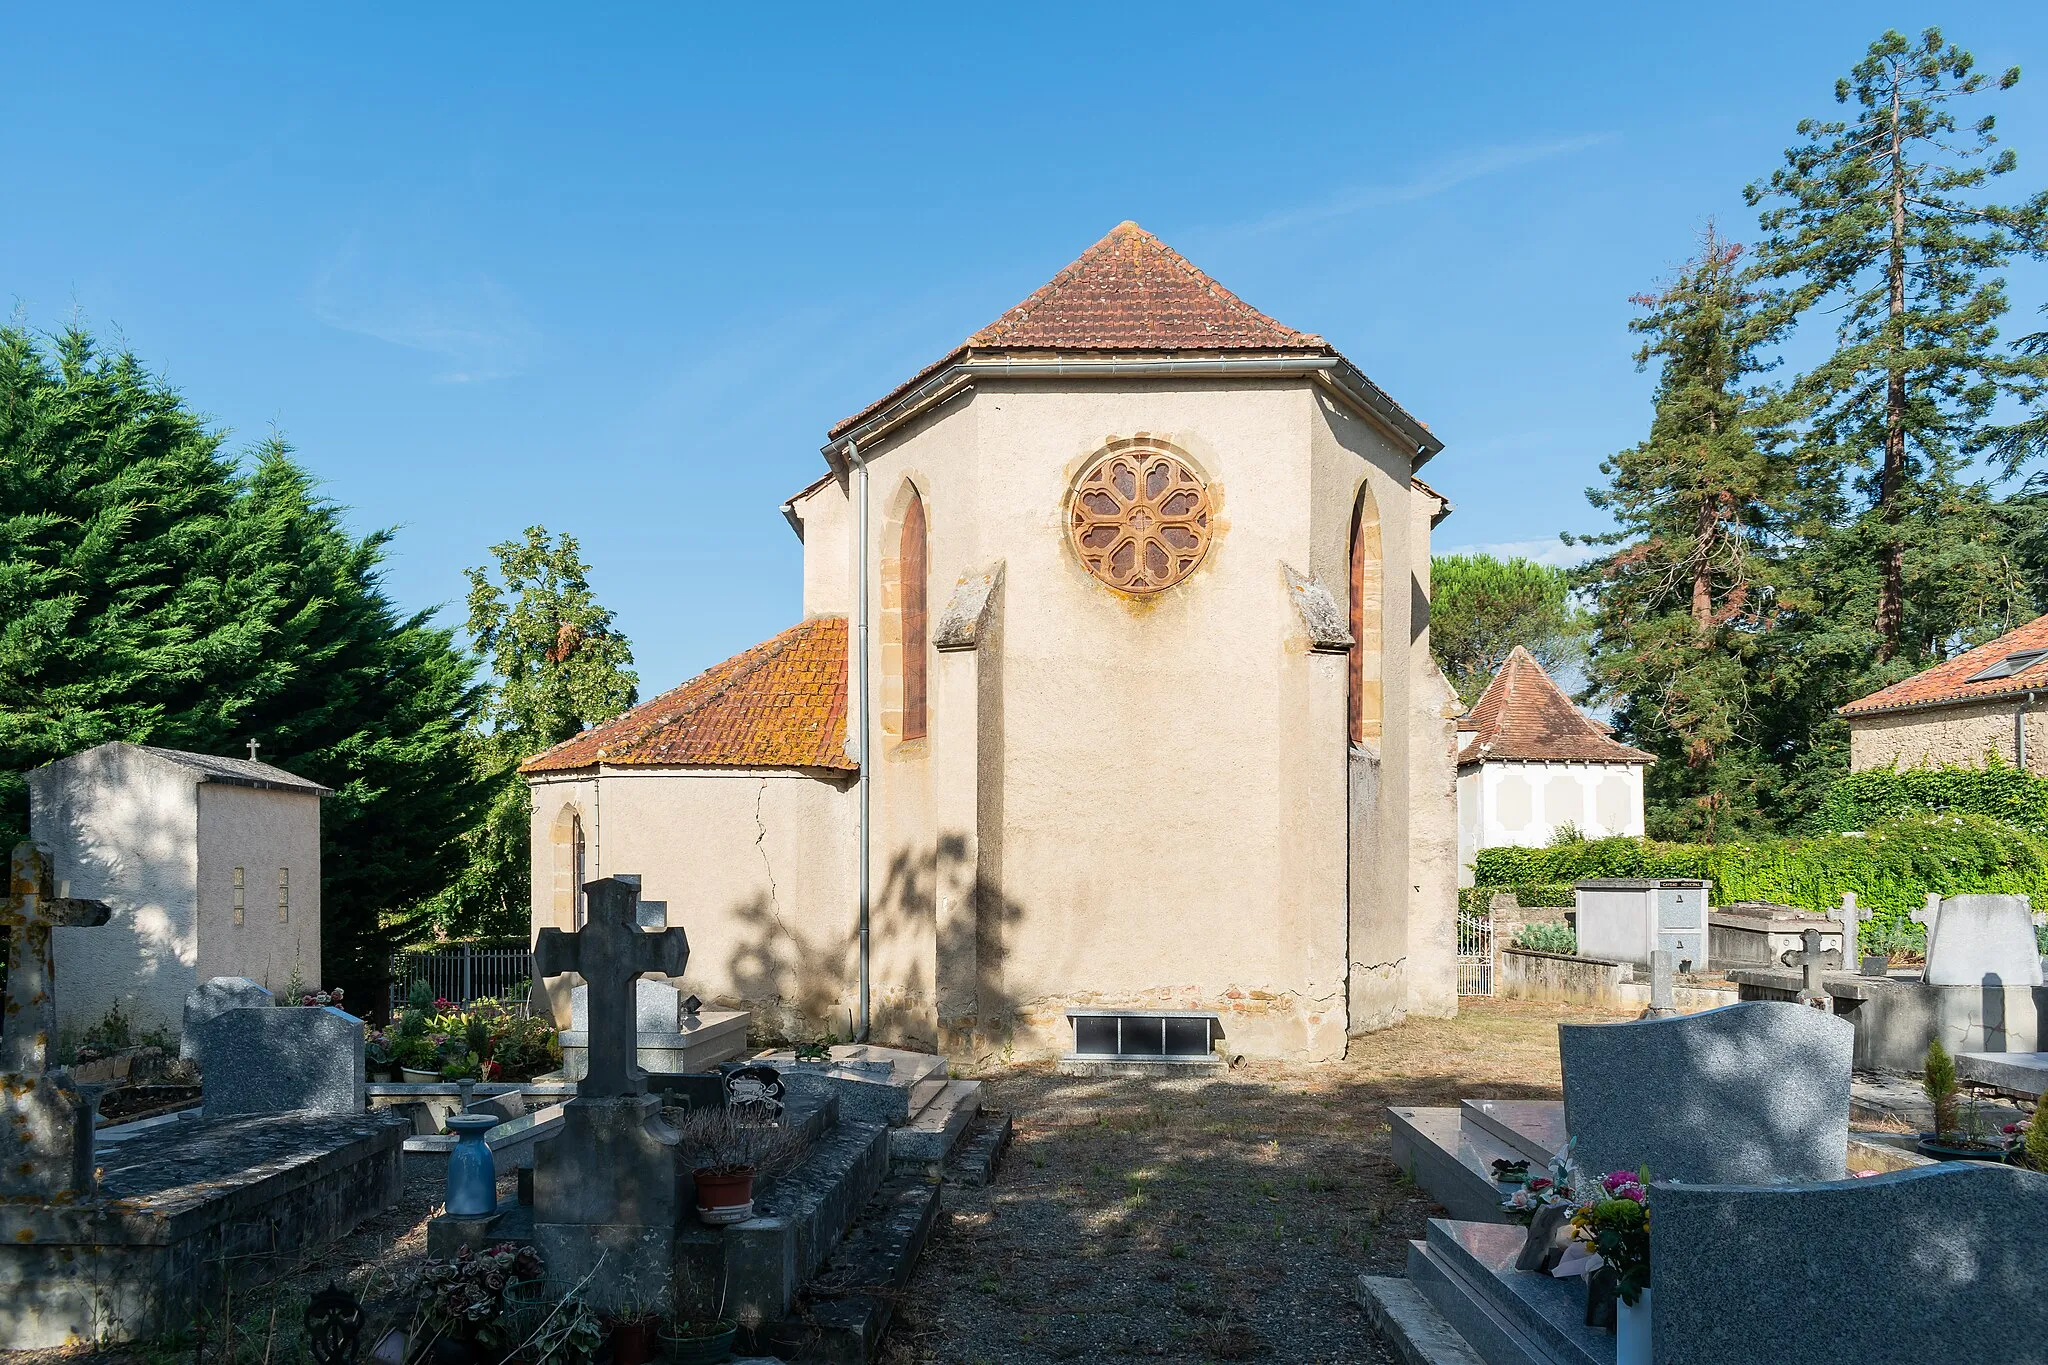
{"x": 657, "y": 1007}
{"x": 1812, "y": 962}
{"x": 1755, "y": 1093}
{"x": 45, "y": 1121}
{"x": 217, "y": 996}
{"x": 273, "y": 1060}
{"x": 605, "y": 1187}
{"x": 1851, "y": 918}
{"x": 1983, "y": 940}
{"x": 1663, "y": 998}
{"x": 1938, "y": 1263}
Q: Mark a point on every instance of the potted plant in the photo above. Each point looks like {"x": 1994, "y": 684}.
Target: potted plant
{"x": 724, "y": 1152}
{"x": 377, "y": 1057}
{"x": 685, "y": 1342}
{"x": 1953, "y": 1139}
{"x": 1614, "y": 1227}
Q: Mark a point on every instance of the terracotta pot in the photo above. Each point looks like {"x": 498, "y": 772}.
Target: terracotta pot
{"x": 634, "y": 1342}
{"x": 725, "y": 1198}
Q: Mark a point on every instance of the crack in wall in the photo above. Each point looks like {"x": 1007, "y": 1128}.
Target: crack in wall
{"x": 1379, "y": 966}
{"x": 761, "y": 843}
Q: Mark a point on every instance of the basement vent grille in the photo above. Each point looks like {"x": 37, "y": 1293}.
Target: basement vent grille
{"x": 1145, "y": 1036}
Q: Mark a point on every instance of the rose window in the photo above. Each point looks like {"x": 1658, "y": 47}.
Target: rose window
{"x": 1140, "y": 521}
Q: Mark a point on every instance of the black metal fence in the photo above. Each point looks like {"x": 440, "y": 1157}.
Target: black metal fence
{"x": 463, "y": 974}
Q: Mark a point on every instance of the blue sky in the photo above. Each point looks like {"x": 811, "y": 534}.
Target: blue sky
{"x": 616, "y": 270}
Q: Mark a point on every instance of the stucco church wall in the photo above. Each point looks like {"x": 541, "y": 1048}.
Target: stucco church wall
{"x": 1958, "y": 735}
{"x": 121, "y": 827}
{"x": 825, "y": 514}
{"x": 757, "y": 865}
{"x": 1432, "y": 977}
{"x": 260, "y": 831}
{"x": 1144, "y": 860}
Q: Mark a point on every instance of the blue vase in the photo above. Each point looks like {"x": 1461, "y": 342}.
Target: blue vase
{"x": 472, "y": 1174}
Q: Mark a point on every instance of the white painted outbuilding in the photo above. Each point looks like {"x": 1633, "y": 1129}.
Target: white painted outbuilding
{"x": 211, "y": 867}
{"x": 1531, "y": 763}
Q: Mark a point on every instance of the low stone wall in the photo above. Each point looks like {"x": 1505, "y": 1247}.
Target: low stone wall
{"x": 1525, "y": 974}
{"x": 1896, "y": 1017}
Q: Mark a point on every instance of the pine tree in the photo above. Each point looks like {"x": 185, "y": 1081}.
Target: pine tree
{"x": 557, "y": 664}
{"x": 1882, "y": 218}
{"x": 1689, "y": 581}
{"x": 1481, "y": 607}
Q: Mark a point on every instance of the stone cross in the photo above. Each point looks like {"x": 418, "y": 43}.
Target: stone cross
{"x": 610, "y": 952}
{"x": 1852, "y": 917}
{"x": 1663, "y": 1001}
{"x": 1812, "y": 961}
{"x": 33, "y": 909}
{"x": 1929, "y": 915}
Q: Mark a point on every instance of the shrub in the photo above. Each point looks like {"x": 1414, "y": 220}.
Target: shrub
{"x": 1938, "y": 1081}
{"x": 2035, "y": 1144}
{"x": 1877, "y": 795}
{"x": 107, "y": 1037}
{"x": 1548, "y": 938}
{"x": 1891, "y": 867}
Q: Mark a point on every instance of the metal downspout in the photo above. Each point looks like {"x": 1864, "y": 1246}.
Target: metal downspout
{"x": 2019, "y": 731}
{"x": 865, "y": 778}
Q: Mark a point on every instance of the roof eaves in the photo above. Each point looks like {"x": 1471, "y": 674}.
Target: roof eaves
{"x": 1863, "y": 706}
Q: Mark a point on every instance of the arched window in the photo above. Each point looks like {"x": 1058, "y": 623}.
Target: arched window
{"x": 911, "y": 565}
{"x": 579, "y": 871}
{"x": 1368, "y": 569}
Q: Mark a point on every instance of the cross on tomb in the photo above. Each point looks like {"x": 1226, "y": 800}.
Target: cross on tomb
{"x": 1812, "y": 961}
{"x": 1663, "y": 999}
{"x": 1852, "y": 917}
{"x": 1928, "y": 915}
{"x": 33, "y": 909}
{"x": 610, "y": 952}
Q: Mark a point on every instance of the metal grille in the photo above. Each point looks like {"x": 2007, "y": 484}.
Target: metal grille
{"x": 1475, "y": 953}
{"x": 464, "y": 974}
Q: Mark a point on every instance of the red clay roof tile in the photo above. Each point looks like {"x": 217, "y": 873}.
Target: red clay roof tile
{"x": 1949, "y": 681}
{"x": 1523, "y": 717}
{"x": 781, "y": 704}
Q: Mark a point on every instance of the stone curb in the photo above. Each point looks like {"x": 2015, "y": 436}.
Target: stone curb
{"x": 1411, "y": 1324}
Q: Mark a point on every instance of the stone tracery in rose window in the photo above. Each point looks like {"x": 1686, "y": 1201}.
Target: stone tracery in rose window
{"x": 1140, "y": 520}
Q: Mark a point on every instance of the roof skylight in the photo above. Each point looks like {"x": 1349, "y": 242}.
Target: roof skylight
{"x": 2010, "y": 665}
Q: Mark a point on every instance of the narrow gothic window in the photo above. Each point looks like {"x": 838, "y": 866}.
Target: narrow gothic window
{"x": 576, "y": 865}
{"x": 911, "y": 562}
{"x": 1367, "y": 570}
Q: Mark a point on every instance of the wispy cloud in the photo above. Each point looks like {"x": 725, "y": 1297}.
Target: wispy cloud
{"x": 465, "y": 318}
{"x": 1445, "y": 175}
{"x": 1552, "y": 551}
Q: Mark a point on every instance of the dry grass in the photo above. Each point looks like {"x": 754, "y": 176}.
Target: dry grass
{"x": 1212, "y": 1220}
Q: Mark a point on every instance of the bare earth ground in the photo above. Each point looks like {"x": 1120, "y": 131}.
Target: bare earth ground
{"x": 1196, "y": 1221}
{"x": 1185, "y": 1221}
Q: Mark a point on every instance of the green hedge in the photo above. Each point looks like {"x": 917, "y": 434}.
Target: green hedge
{"x": 1891, "y": 867}
{"x": 1878, "y": 795}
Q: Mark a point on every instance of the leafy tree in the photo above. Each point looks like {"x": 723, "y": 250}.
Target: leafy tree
{"x": 153, "y": 591}
{"x": 557, "y": 665}
{"x": 1881, "y": 218}
{"x": 1482, "y": 607}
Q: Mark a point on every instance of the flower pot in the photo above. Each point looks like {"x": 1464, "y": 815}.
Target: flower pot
{"x": 694, "y": 1345}
{"x": 1632, "y": 1331}
{"x": 528, "y": 1303}
{"x": 416, "y": 1077}
{"x": 1942, "y": 1149}
{"x": 634, "y": 1341}
{"x": 1603, "y": 1296}
{"x": 725, "y": 1198}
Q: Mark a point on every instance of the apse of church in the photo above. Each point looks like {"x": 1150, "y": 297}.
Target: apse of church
{"x": 1149, "y": 715}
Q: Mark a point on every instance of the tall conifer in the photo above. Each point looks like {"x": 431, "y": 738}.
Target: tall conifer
{"x": 1883, "y": 218}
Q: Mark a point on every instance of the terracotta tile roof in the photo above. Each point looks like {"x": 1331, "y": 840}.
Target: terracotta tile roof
{"x": 1130, "y": 292}
{"x": 781, "y": 704}
{"x": 1523, "y": 717}
{"x": 1949, "y": 681}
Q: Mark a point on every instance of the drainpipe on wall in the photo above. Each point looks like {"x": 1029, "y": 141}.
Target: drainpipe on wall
{"x": 860, "y": 687}
{"x": 2019, "y": 731}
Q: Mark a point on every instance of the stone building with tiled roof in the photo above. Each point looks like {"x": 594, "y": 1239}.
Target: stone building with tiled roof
{"x": 1980, "y": 704}
{"x": 1112, "y": 690}
{"x": 1530, "y": 763}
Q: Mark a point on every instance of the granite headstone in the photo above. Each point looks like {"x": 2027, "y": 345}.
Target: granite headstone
{"x": 1983, "y": 941}
{"x": 657, "y": 1007}
{"x": 1755, "y": 1093}
{"x": 1941, "y": 1262}
{"x": 276, "y": 1059}
{"x": 217, "y": 996}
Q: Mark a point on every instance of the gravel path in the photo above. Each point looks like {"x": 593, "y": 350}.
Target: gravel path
{"x": 1194, "y": 1221}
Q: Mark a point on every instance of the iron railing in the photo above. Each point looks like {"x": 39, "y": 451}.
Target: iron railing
{"x": 1475, "y": 953}
{"x": 464, "y": 974}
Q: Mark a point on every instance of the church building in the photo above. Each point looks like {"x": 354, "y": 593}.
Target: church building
{"x": 1112, "y": 691}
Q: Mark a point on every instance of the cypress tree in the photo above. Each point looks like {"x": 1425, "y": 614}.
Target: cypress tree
{"x": 1882, "y": 216}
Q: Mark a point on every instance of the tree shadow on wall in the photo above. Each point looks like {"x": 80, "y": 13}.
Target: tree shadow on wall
{"x": 933, "y": 985}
